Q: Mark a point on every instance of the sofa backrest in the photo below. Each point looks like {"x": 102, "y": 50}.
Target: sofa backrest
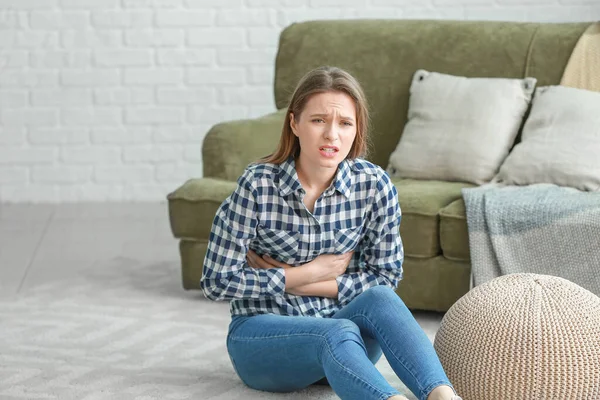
{"x": 384, "y": 54}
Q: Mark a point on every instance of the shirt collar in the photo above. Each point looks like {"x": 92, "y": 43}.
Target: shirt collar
{"x": 289, "y": 182}
{"x": 288, "y": 178}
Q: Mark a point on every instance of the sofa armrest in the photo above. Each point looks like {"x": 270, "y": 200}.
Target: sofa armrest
{"x": 230, "y": 146}
{"x": 193, "y": 206}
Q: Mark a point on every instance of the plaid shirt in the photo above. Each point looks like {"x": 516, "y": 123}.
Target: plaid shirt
{"x": 359, "y": 211}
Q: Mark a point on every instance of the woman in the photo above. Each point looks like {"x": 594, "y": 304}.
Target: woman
{"x": 308, "y": 250}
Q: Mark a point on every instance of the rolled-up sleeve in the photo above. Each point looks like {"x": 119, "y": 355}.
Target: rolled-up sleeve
{"x": 382, "y": 250}
{"x": 226, "y": 274}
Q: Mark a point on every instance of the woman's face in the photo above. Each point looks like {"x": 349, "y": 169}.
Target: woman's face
{"x": 326, "y": 128}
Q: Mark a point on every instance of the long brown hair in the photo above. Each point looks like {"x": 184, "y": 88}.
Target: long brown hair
{"x": 321, "y": 80}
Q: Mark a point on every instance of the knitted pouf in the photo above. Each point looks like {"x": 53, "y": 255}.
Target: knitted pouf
{"x": 523, "y": 337}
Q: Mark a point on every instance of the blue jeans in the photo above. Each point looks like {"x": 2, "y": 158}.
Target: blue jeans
{"x": 278, "y": 353}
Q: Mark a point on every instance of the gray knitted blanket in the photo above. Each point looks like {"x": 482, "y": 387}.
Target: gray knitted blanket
{"x": 543, "y": 229}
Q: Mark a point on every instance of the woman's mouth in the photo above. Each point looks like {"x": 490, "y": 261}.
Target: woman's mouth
{"x": 328, "y": 151}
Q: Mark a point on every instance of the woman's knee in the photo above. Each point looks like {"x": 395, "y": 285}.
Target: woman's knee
{"x": 342, "y": 330}
{"x": 381, "y": 293}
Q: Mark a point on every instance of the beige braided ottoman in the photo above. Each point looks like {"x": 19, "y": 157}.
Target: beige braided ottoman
{"x": 523, "y": 337}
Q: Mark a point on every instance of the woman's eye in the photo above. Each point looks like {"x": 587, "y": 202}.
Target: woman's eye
{"x": 317, "y": 120}
{"x": 347, "y": 123}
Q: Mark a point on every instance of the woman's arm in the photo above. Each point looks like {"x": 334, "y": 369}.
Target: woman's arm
{"x": 382, "y": 252}
{"x": 320, "y": 289}
{"x": 296, "y": 276}
{"x": 226, "y": 275}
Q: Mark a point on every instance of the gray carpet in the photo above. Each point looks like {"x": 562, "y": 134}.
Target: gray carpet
{"x": 124, "y": 330}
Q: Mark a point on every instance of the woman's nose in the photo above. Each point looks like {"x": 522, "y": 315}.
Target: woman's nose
{"x": 331, "y": 132}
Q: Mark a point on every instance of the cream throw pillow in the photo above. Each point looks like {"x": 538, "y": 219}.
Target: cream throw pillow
{"x": 560, "y": 143}
{"x": 458, "y": 128}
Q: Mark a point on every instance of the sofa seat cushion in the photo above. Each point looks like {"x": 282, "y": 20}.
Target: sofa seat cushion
{"x": 454, "y": 235}
{"x": 193, "y": 206}
{"x": 421, "y": 202}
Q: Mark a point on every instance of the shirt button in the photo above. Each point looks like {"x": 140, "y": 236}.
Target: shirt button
{"x": 315, "y": 252}
{"x": 317, "y": 229}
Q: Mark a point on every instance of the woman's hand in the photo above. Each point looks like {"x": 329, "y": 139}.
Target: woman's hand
{"x": 328, "y": 267}
{"x": 264, "y": 262}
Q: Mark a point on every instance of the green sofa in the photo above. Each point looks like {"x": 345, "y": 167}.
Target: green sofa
{"x": 383, "y": 55}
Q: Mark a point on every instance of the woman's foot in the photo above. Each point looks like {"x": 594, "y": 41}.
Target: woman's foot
{"x": 443, "y": 392}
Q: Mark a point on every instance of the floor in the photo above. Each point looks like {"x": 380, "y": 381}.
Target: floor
{"x": 43, "y": 243}
{"x": 39, "y": 243}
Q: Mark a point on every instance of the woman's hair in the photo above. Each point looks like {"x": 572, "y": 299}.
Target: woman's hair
{"x": 321, "y": 80}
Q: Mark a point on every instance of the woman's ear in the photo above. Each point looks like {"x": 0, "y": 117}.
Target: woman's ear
{"x": 293, "y": 124}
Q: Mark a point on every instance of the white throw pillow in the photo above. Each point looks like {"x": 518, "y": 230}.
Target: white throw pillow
{"x": 458, "y": 128}
{"x": 560, "y": 142}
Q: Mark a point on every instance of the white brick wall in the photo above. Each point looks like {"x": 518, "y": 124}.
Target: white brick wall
{"x": 110, "y": 99}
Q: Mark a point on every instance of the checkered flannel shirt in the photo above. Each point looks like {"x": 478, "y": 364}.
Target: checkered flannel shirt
{"x": 359, "y": 211}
